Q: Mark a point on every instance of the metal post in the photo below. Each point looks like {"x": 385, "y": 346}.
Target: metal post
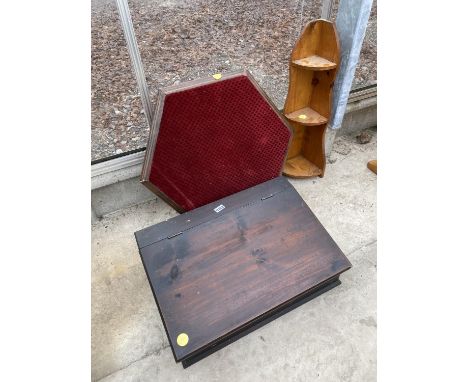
{"x": 127, "y": 26}
{"x": 327, "y": 7}
{"x": 351, "y": 23}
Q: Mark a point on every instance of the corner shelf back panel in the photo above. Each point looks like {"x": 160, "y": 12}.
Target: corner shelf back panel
{"x": 328, "y": 46}
{"x": 312, "y": 140}
{"x": 321, "y": 86}
{"x": 295, "y": 147}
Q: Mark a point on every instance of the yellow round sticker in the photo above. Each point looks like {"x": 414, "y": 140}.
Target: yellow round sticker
{"x": 217, "y": 76}
{"x": 182, "y": 339}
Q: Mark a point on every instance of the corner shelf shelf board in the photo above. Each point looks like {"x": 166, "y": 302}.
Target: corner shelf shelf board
{"x": 313, "y": 66}
{"x": 314, "y": 62}
{"x": 300, "y": 167}
{"x": 307, "y": 117}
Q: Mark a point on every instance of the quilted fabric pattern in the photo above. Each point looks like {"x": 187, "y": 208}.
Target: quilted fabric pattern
{"x": 215, "y": 140}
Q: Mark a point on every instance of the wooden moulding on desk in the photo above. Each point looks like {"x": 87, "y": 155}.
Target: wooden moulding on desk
{"x": 313, "y": 66}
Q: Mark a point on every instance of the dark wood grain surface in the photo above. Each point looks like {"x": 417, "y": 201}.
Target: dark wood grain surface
{"x": 214, "y": 273}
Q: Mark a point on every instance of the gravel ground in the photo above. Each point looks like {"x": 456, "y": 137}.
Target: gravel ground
{"x": 182, "y": 40}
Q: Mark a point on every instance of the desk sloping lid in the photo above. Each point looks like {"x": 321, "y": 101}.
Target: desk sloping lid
{"x": 214, "y": 273}
{"x": 211, "y": 138}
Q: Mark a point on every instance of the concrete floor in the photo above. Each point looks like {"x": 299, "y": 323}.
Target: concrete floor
{"x": 331, "y": 338}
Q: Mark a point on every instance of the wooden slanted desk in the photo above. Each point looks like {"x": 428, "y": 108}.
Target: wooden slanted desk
{"x": 226, "y": 268}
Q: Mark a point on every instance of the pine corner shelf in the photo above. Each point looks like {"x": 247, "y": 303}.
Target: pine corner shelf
{"x": 306, "y": 116}
{"x": 313, "y": 67}
{"x": 314, "y": 62}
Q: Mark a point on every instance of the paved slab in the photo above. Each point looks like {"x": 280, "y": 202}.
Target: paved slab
{"x": 330, "y": 338}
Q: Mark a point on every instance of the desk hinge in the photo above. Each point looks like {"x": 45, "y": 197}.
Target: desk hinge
{"x": 176, "y": 234}
{"x": 268, "y": 197}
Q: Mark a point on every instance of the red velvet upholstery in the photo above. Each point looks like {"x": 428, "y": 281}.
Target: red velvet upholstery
{"x": 216, "y": 139}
